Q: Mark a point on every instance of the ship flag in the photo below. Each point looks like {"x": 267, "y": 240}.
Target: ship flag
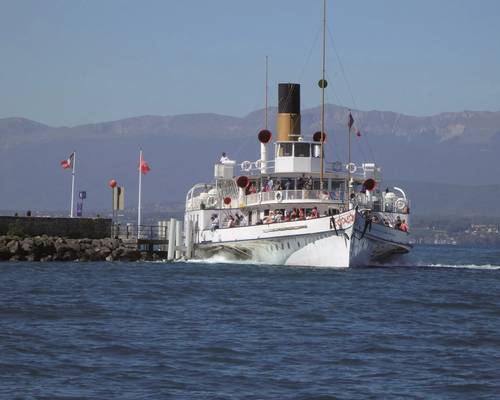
{"x": 68, "y": 163}
{"x": 350, "y": 125}
{"x": 350, "y": 122}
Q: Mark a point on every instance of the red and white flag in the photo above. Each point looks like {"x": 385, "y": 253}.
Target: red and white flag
{"x": 68, "y": 163}
{"x": 143, "y": 166}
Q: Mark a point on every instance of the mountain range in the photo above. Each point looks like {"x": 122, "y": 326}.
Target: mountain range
{"x": 458, "y": 151}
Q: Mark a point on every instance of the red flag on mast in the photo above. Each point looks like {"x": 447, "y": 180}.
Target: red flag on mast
{"x": 143, "y": 166}
{"x": 68, "y": 163}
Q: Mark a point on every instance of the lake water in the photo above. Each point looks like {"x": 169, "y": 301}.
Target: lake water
{"x": 426, "y": 327}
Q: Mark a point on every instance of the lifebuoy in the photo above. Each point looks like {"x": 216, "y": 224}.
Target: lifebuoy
{"x": 211, "y": 201}
{"x": 337, "y": 166}
{"x": 246, "y": 165}
{"x": 400, "y": 204}
{"x": 258, "y": 164}
{"x": 351, "y": 167}
{"x": 278, "y": 196}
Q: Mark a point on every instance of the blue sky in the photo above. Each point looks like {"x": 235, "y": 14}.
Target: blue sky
{"x": 70, "y": 62}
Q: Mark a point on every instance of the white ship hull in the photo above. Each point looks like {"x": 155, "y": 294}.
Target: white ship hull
{"x": 314, "y": 242}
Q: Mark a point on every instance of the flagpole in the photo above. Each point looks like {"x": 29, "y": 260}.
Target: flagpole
{"x": 73, "y": 184}
{"x": 349, "y": 166}
{"x": 140, "y": 195}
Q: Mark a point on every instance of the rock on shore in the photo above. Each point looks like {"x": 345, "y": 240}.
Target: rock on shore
{"x": 46, "y": 248}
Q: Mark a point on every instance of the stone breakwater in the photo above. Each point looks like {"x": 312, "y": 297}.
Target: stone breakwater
{"x": 46, "y": 248}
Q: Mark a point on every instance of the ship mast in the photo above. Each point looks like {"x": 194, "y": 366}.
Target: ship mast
{"x": 322, "y": 84}
{"x": 267, "y": 89}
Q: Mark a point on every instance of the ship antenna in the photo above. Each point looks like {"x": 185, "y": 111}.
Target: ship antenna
{"x": 322, "y": 85}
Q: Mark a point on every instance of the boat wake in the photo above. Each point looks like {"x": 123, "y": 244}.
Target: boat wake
{"x": 464, "y": 266}
{"x": 220, "y": 259}
{"x": 423, "y": 264}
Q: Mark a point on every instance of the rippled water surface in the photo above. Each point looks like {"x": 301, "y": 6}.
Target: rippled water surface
{"x": 426, "y": 327}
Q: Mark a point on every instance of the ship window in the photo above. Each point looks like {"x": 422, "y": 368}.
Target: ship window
{"x": 316, "y": 150}
{"x": 285, "y": 149}
{"x": 302, "y": 150}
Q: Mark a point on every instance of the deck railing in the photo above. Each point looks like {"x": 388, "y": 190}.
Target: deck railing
{"x": 294, "y": 196}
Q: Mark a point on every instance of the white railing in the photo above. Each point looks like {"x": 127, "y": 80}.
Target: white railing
{"x": 292, "y": 196}
{"x": 280, "y": 196}
{"x": 251, "y": 168}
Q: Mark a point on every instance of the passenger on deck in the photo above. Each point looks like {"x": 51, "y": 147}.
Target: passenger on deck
{"x": 270, "y": 218}
{"x": 279, "y": 216}
{"x": 314, "y": 212}
{"x": 237, "y": 219}
{"x": 230, "y": 222}
{"x": 302, "y": 214}
{"x": 301, "y": 182}
{"x": 278, "y": 185}
{"x": 286, "y": 217}
{"x": 404, "y": 226}
{"x": 309, "y": 183}
{"x": 243, "y": 220}
{"x": 288, "y": 184}
{"x": 224, "y": 159}
{"x": 397, "y": 225}
{"x": 253, "y": 188}
{"x": 270, "y": 185}
{"x": 215, "y": 222}
{"x": 293, "y": 214}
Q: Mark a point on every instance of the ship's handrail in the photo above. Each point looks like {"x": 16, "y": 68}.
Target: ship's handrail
{"x": 276, "y": 197}
{"x": 252, "y": 168}
{"x": 293, "y": 196}
{"x": 272, "y": 197}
